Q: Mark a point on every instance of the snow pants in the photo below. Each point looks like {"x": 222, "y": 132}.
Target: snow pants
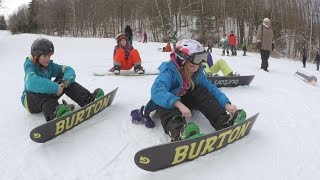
{"x": 47, "y": 103}
{"x": 126, "y": 64}
{"x": 265, "y": 54}
{"x": 198, "y": 99}
{"x": 225, "y": 48}
{"x": 220, "y": 65}
{"x": 304, "y": 60}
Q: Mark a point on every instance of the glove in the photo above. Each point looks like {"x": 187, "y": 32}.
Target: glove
{"x": 258, "y": 45}
{"x": 272, "y": 46}
{"x": 65, "y": 83}
{"x": 60, "y": 89}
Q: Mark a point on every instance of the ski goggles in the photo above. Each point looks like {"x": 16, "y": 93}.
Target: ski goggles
{"x": 195, "y": 58}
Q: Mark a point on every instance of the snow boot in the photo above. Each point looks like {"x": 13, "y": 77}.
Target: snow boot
{"x": 233, "y": 74}
{"x": 116, "y": 70}
{"x": 138, "y": 69}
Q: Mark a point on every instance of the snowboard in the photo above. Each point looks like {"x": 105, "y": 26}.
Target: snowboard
{"x": 174, "y": 153}
{"x": 60, "y": 125}
{"x": 231, "y": 81}
{"x": 308, "y": 79}
{"x": 124, "y": 74}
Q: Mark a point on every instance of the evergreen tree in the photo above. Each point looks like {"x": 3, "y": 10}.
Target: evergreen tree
{"x": 32, "y": 16}
{"x": 3, "y": 24}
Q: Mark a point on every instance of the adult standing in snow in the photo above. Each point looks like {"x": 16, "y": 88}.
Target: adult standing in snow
{"x": 317, "y": 60}
{"x": 181, "y": 86}
{"x": 129, "y": 34}
{"x": 233, "y": 43}
{"x": 125, "y": 56}
{"x": 265, "y": 42}
{"x": 304, "y": 56}
{"x": 41, "y": 94}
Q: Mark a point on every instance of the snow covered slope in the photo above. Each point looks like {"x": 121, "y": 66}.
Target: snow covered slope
{"x": 283, "y": 144}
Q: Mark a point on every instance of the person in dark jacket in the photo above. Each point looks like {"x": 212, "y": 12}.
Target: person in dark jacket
{"x": 41, "y": 94}
{"x": 244, "y": 48}
{"x": 265, "y": 42}
{"x": 145, "y": 37}
{"x": 129, "y": 34}
{"x": 304, "y": 56}
{"x": 317, "y": 60}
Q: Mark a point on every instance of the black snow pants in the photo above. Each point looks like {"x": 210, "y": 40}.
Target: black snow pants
{"x": 47, "y": 103}
{"x": 198, "y": 99}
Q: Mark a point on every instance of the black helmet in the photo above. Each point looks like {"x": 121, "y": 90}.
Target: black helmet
{"x": 42, "y": 46}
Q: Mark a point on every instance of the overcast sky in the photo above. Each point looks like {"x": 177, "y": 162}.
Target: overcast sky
{"x": 10, "y": 6}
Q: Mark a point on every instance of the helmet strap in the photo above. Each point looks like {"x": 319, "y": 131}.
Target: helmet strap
{"x": 35, "y": 59}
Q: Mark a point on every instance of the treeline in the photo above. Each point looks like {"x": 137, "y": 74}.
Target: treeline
{"x": 295, "y": 22}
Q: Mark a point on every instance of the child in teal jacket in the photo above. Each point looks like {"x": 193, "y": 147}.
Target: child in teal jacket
{"x": 41, "y": 94}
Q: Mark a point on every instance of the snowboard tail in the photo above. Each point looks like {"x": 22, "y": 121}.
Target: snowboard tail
{"x": 308, "y": 79}
{"x": 174, "y": 153}
{"x": 231, "y": 81}
{"x": 60, "y": 125}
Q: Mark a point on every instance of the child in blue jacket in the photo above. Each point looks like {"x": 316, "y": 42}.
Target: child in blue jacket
{"x": 41, "y": 94}
{"x": 181, "y": 86}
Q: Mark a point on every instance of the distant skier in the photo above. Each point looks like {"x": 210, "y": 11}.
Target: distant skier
{"x": 129, "y": 34}
{"x": 125, "y": 56}
{"x": 244, "y": 48}
{"x": 181, "y": 87}
{"x": 145, "y": 37}
{"x": 317, "y": 60}
{"x": 225, "y": 44}
{"x": 213, "y": 67}
{"x": 210, "y": 44}
{"x": 41, "y": 94}
{"x": 304, "y": 56}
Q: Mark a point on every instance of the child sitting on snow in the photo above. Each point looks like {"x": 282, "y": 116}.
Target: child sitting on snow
{"x": 125, "y": 56}
{"x": 41, "y": 94}
{"x": 220, "y": 65}
{"x": 181, "y": 87}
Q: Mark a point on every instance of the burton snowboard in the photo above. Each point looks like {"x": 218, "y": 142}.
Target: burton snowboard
{"x": 308, "y": 79}
{"x": 174, "y": 153}
{"x": 60, "y": 125}
{"x": 231, "y": 81}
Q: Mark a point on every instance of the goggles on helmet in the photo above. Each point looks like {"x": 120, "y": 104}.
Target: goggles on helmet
{"x": 195, "y": 58}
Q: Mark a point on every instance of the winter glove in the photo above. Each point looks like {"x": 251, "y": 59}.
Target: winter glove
{"x": 60, "y": 89}
{"x": 272, "y": 46}
{"x": 258, "y": 45}
{"x": 65, "y": 83}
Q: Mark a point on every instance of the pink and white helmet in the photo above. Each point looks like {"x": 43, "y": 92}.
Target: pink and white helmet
{"x": 189, "y": 46}
{"x": 191, "y": 50}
